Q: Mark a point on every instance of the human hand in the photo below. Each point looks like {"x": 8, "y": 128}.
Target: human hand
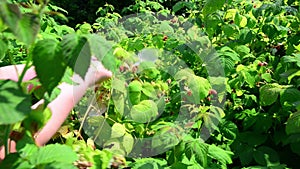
{"x": 96, "y": 73}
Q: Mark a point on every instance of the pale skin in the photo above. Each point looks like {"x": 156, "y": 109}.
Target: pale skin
{"x": 63, "y": 104}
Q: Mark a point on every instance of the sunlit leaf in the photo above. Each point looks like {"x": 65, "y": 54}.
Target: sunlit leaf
{"x": 54, "y": 153}
{"x": 219, "y": 154}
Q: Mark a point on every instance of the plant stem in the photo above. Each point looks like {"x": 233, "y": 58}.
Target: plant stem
{"x": 6, "y": 138}
{"x": 86, "y": 115}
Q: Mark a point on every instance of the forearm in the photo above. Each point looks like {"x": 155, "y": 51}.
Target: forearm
{"x": 68, "y": 98}
{"x": 13, "y": 72}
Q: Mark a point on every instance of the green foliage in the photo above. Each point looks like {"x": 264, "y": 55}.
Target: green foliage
{"x": 166, "y": 84}
{"x": 24, "y": 26}
{"x": 47, "y": 55}
{"x": 30, "y": 156}
{"x": 14, "y": 103}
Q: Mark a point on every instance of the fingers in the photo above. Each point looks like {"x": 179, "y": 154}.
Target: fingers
{"x": 12, "y": 149}
{"x": 97, "y": 73}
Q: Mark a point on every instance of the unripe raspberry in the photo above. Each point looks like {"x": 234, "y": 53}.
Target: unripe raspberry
{"x": 213, "y": 92}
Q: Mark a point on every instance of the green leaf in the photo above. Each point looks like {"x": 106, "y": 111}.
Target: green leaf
{"x": 121, "y": 53}
{"x": 148, "y": 68}
{"x": 3, "y": 49}
{"x": 14, "y": 104}
{"x": 144, "y": 112}
{"x": 108, "y": 61}
{"x": 119, "y": 85}
{"x": 102, "y": 49}
{"x": 295, "y": 58}
{"x": 98, "y": 129}
{"x": 119, "y": 93}
{"x": 77, "y": 52}
{"x": 128, "y": 142}
{"x": 263, "y": 123}
{"x": 118, "y": 130}
{"x": 252, "y": 138}
{"x": 242, "y": 50}
{"x": 293, "y": 124}
{"x": 179, "y": 5}
{"x": 54, "y": 153}
{"x": 212, "y": 6}
{"x": 229, "y": 53}
{"x": 267, "y": 77}
{"x": 248, "y": 78}
{"x": 265, "y": 155}
{"x": 180, "y": 165}
{"x": 230, "y": 30}
{"x": 246, "y": 36}
{"x": 230, "y": 14}
{"x": 199, "y": 150}
{"x": 270, "y": 30}
{"x": 219, "y": 154}
{"x": 149, "y": 90}
{"x": 28, "y": 149}
{"x": 297, "y": 47}
{"x": 293, "y": 75}
{"x": 290, "y": 96}
{"x": 135, "y": 88}
{"x": 85, "y": 28}
{"x": 240, "y": 20}
{"x": 13, "y": 161}
{"x": 296, "y": 147}
{"x": 25, "y": 27}
{"x": 200, "y": 88}
{"x": 166, "y": 28}
{"x": 246, "y": 156}
{"x": 59, "y": 165}
{"x": 268, "y": 94}
{"x": 39, "y": 116}
{"x": 49, "y": 63}
{"x": 229, "y": 130}
{"x": 148, "y": 163}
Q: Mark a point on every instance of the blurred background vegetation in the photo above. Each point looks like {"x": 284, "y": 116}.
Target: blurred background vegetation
{"x": 80, "y": 11}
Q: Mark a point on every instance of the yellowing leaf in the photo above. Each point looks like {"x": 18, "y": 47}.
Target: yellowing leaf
{"x": 118, "y": 130}
{"x": 128, "y": 142}
{"x": 243, "y": 21}
{"x": 297, "y": 47}
{"x": 230, "y": 14}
